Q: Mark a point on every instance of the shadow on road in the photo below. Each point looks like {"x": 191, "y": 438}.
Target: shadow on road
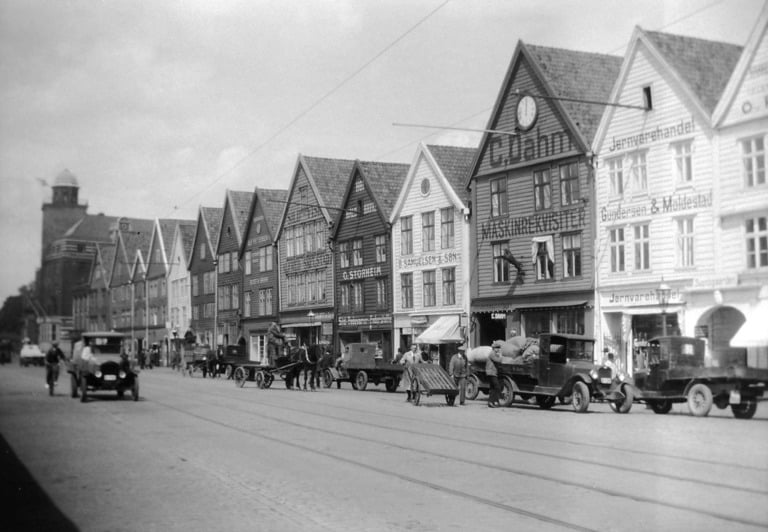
{"x": 27, "y": 506}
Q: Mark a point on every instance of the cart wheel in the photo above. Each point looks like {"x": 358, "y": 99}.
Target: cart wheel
{"x": 361, "y": 379}
{"x": 239, "y": 377}
{"x": 268, "y": 379}
{"x": 580, "y": 397}
{"x": 450, "y": 399}
{"x": 259, "y": 379}
{"x": 473, "y": 388}
{"x": 327, "y": 378}
{"x": 415, "y": 392}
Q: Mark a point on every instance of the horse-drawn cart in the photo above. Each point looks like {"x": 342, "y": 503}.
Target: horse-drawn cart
{"x": 261, "y": 374}
{"x": 360, "y": 366}
{"x": 197, "y": 361}
{"x": 431, "y": 379}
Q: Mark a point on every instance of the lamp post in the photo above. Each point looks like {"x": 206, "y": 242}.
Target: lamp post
{"x": 311, "y": 316}
{"x": 663, "y": 292}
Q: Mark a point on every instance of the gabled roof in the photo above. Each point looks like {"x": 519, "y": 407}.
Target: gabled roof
{"x": 187, "y": 236}
{"x": 383, "y": 180}
{"x": 105, "y": 254}
{"x": 742, "y": 67}
{"x": 162, "y": 239}
{"x": 92, "y": 228}
{"x": 239, "y": 204}
{"x": 210, "y": 220}
{"x": 704, "y": 66}
{"x": 272, "y": 203}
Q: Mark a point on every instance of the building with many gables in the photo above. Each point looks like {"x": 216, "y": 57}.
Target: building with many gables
{"x": 532, "y": 196}
{"x": 202, "y": 275}
{"x": 179, "y": 305}
{"x": 91, "y": 310}
{"x": 307, "y": 305}
{"x": 260, "y": 262}
{"x": 430, "y": 250}
{"x": 362, "y": 243}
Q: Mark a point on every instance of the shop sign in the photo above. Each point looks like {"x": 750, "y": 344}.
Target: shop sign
{"x": 563, "y": 220}
{"x": 715, "y": 282}
{"x": 258, "y": 280}
{"x": 438, "y": 259}
{"x": 498, "y": 316}
{"x": 683, "y": 127}
{"x": 639, "y": 297}
{"x": 419, "y": 320}
{"x": 371, "y": 321}
{"x": 362, "y": 273}
{"x": 506, "y": 150}
{"x": 658, "y": 205}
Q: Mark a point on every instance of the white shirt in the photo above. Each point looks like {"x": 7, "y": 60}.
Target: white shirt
{"x": 87, "y": 354}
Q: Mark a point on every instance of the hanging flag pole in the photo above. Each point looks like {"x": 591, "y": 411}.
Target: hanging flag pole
{"x": 579, "y": 100}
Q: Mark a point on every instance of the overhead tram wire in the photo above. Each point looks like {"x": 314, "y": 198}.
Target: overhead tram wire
{"x": 316, "y": 103}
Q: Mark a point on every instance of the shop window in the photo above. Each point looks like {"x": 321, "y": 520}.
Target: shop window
{"x": 569, "y": 184}
{"x": 406, "y": 289}
{"x": 757, "y": 242}
{"x": 642, "y": 247}
{"x": 542, "y": 190}
{"x": 406, "y": 235}
{"x": 572, "y": 255}
{"x": 570, "y": 321}
{"x": 685, "y": 243}
{"x": 753, "y": 159}
{"x": 499, "y": 196}
{"x": 500, "y": 264}
{"x": 537, "y": 322}
{"x": 683, "y": 161}
{"x": 617, "y": 244}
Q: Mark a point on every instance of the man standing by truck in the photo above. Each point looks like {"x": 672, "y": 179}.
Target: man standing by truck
{"x": 457, "y": 368}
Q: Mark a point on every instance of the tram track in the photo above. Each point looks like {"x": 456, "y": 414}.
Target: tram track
{"x": 634, "y": 497}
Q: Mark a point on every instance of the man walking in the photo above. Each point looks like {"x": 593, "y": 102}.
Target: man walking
{"x": 458, "y": 369}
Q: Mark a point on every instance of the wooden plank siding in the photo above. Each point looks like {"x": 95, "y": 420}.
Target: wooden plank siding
{"x": 228, "y": 317}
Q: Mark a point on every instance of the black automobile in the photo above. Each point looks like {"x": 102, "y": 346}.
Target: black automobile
{"x": 109, "y": 368}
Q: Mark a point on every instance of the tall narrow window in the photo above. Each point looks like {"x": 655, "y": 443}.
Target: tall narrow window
{"x": 499, "y": 196}
{"x": 309, "y": 237}
{"x": 406, "y": 289}
{"x": 381, "y": 248}
{"x": 446, "y": 228}
{"x": 449, "y": 286}
{"x": 572, "y": 255}
{"x": 406, "y": 235}
{"x": 545, "y": 265}
{"x": 357, "y": 252}
{"x": 569, "y": 183}
{"x": 247, "y": 264}
{"x": 381, "y": 293}
{"x": 617, "y": 249}
{"x": 428, "y": 278}
{"x": 343, "y": 248}
{"x": 685, "y": 258}
{"x": 428, "y": 231}
{"x": 344, "y": 296}
{"x": 647, "y": 98}
{"x": 357, "y": 296}
{"x": 642, "y": 247}
{"x": 639, "y": 172}
{"x": 246, "y": 304}
{"x": 542, "y": 190}
{"x": 500, "y": 264}
{"x": 753, "y": 158}
{"x": 757, "y": 242}
{"x": 616, "y": 176}
{"x": 683, "y": 161}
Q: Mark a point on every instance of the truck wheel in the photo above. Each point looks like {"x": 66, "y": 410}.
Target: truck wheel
{"x": 661, "y": 407}
{"x": 361, "y": 379}
{"x": 622, "y": 406}
{"x": 580, "y": 397}
{"x": 83, "y": 389}
{"x": 546, "y": 402}
{"x": 700, "y": 400}
{"x": 508, "y": 389}
{"x": 72, "y": 385}
{"x": 239, "y": 377}
{"x": 744, "y": 410}
{"x": 473, "y": 388}
{"x": 327, "y": 378}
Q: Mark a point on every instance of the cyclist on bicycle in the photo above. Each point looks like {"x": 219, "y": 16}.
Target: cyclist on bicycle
{"x": 52, "y": 358}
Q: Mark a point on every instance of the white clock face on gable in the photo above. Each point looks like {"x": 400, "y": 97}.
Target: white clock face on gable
{"x": 527, "y": 112}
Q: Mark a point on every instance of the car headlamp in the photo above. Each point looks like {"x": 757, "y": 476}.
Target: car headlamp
{"x": 593, "y": 374}
{"x": 121, "y": 374}
{"x": 98, "y": 374}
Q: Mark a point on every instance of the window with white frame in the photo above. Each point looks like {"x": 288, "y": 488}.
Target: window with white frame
{"x": 345, "y": 290}
{"x": 542, "y": 189}
{"x": 499, "y": 196}
{"x": 572, "y": 255}
{"x": 616, "y": 176}
{"x": 246, "y": 304}
{"x": 616, "y": 237}
{"x": 343, "y": 254}
{"x": 406, "y": 290}
{"x": 357, "y": 252}
{"x": 309, "y": 237}
{"x": 235, "y": 296}
{"x": 683, "y": 161}
{"x": 449, "y": 286}
{"x": 381, "y": 293}
{"x": 406, "y": 235}
{"x": 428, "y": 281}
{"x": 446, "y": 228}
{"x": 298, "y": 241}
{"x": 500, "y": 264}
{"x": 545, "y": 262}
{"x": 357, "y": 296}
{"x": 685, "y": 242}
{"x": 757, "y": 242}
{"x": 428, "y": 231}
{"x": 381, "y": 248}
{"x": 569, "y": 184}
{"x": 321, "y": 285}
{"x": 642, "y": 247}
{"x": 265, "y": 258}
{"x": 753, "y": 159}
{"x": 639, "y": 172}
{"x": 321, "y": 235}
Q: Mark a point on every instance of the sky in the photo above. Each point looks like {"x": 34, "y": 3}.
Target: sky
{"x": 160, "y": 106}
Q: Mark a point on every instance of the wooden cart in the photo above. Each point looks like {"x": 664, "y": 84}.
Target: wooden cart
{"x": 431, "y": 379}
{"x": 262, "y": 375}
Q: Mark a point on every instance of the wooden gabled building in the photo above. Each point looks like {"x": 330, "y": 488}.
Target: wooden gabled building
{"x": 202, "y": 275}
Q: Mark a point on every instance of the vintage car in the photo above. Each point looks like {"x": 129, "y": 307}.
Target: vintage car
{"x": 562, "y": 371}
{"x": 677, "y": 372}
{"x": 363, "y": 363}
{"x": 109, "y": 369}
{"x": 31, "y": 355}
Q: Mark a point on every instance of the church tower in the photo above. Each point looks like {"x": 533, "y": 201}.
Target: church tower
{"x": 63, "y": 211}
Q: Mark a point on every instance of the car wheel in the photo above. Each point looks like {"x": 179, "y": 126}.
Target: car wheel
{"x": 661, "y": 407}
{"x": 700, "y": 400}
{"x": 415, "y": 392}
{"x": 546, "y": 402}
{"x": 135, "y": 388}
{"x": 239, "y": 377}
{"x": 361, "y": 379}
{"x": 508, "y": 389}
{"x": 72, "y": 385}
{"x": 744, "y": 410}
{"x": 473, "y": 388}
{"x": 327, "y": 378}
{"x": 580, "y": 397}
{"x": 83, "y": 389}
{"x": 622, "y": 406}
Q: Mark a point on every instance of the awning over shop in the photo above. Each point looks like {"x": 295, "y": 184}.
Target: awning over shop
{"x": 754, "y": 331}
{"x": 551, "y": 306}
{"x": 444, "y": 330}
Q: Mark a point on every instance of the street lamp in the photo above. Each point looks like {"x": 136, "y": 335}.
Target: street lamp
{"x": 311, "y": 316}
{"x": 662, "y": 293}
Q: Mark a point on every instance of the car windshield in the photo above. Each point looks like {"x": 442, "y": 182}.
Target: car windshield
{"x": 580, "y": 350}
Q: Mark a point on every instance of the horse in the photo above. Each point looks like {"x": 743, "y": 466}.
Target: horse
{"x": 291, "y": 357}
{"x": 312, "y": 356}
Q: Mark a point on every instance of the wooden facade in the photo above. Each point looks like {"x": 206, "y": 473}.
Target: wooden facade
{"x": 202, "y": 275}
